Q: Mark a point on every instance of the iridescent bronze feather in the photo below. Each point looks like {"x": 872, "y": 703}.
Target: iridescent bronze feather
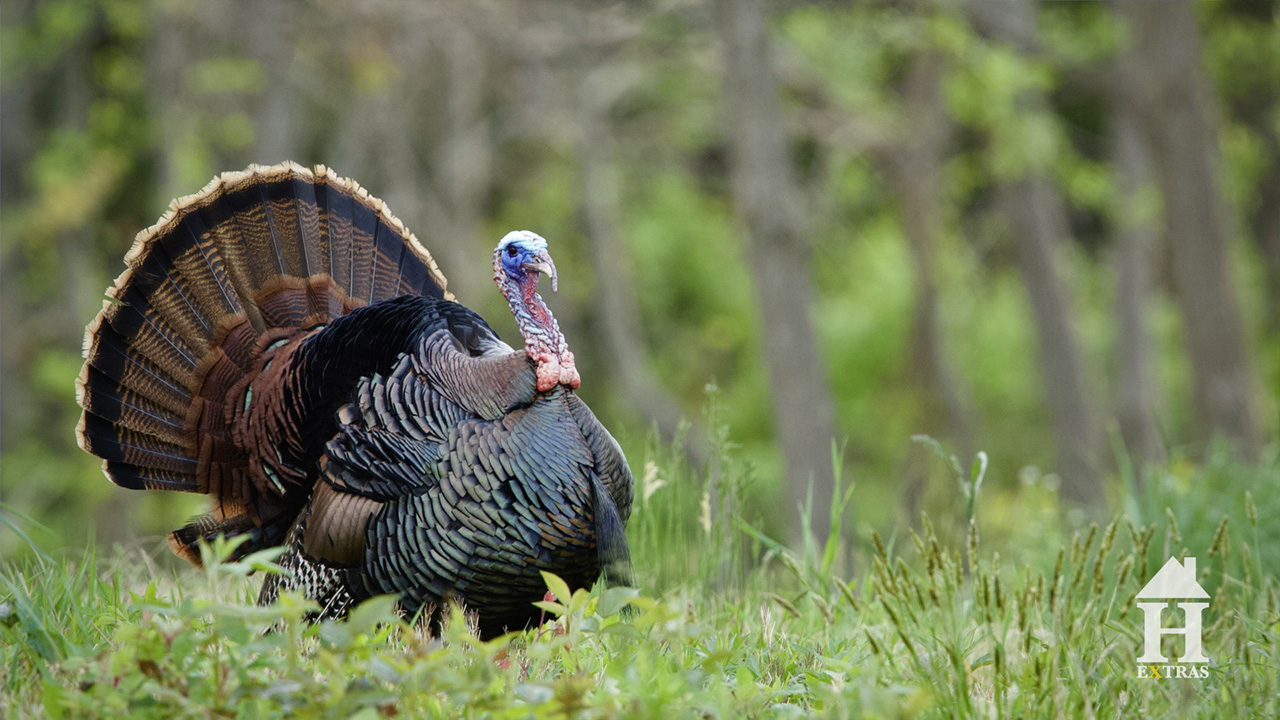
{"x": 281, "y": 343}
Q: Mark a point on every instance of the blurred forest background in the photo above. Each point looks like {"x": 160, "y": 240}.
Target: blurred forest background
{"x": 1048, "y": 231}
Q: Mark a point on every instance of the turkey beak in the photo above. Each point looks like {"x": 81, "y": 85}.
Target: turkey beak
{"x": 544, "y": 265}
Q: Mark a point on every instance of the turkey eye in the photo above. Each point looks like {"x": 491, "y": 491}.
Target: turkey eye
{"x": 511, "y": 251}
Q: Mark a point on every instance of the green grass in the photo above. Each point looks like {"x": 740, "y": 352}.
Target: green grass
{"x": 935, "y": 622}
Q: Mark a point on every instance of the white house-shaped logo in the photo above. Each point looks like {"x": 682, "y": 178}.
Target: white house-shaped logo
{"x": 1176, "y": 581}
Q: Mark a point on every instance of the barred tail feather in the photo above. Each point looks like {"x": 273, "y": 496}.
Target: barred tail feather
{"x": 254, "y": 257}
{"x": 185, "y": 541}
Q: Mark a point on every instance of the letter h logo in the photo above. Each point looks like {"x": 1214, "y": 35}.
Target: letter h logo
{"x": 1174, "y": 581}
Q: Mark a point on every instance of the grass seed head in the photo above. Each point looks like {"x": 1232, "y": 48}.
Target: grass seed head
{"x": 847, "y": 592}
{"x": 1088, "y": 541}
{"x": 790, "y": 563}
{"x": 1122, "y": 573}
{"x": 893, "y": 615}
{"x": 784, "y": 603}
{"x": 879, "y": 545}
{"x": 1221, "y": 543}
{"x": 823, "y": 607}
{"x": 871, "y": 640}
{"x": 884, "y": 577}
{"x": 1173, "y": 526}
{"x": 972, "y": 544}
{"x": 919, "y": 543}
{"x": 1108, "y": 539}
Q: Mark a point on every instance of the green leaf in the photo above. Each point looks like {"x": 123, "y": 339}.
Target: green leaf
{"x": 579, "y": 601}
{"x": 55, "y": 700}
{"x": 336, "y": 634}
{"x": 554, "y": 608}
{"x": 978, "y": 471}
{"x": 264, "y": 560}
{"x": 557, "y": 586}
{"x": 614, "y": 599}
{"x": 372, "y": 612}
{"x": 935, "y": 447}
{"x": 624, "y": 630}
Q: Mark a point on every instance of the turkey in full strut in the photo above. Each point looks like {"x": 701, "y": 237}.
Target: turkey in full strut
{"x": 280, "y": 342}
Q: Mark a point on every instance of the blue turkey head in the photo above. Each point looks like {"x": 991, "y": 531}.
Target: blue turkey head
{"x": 523, "y": 254}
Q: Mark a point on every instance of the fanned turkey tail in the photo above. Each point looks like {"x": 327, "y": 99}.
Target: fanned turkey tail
{"x": 224, "y": 279}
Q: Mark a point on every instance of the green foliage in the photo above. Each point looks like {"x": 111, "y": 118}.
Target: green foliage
{"x": 970, "y": 483}
{"x": 999, "y": 604}
{"x": 929, "y": 628}
{"x": 100, "y": 145}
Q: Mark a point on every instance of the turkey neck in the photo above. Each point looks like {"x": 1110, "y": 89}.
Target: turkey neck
{"x": 543, "y": 341}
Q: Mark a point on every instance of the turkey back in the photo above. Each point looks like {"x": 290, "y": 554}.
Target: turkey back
{"x": 226, "y": 279}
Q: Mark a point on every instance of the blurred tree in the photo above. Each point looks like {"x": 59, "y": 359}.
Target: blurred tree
{"x": 1245, "y": 38}
{"x": 73, "y": 88}
{"x": 1037, "y": 219}
{"x": 169, "y": 102}
{"x": 915, "y": 165}
{"x": 1178, "y": 117}
{"x": 596, "y": 124}
{"x": 767, "y": 197}
{"x": 1134, "y": 224}
{"x": 463, "y": 156}
{"x": 601, "y": 82}
{"x": 278, "y": 126}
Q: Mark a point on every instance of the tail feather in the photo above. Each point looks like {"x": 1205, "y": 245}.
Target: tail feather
{"x": 116, "y": 443}
{"x": 255, "y": 257}
{"x": 335, "y": 207}
{"x": 364, "y": 223}
{"x": 387, "y": 274}
{"x": 218, "y": 242}
{"x": 134, "y": 317}
{"x": 120, "y": 371}
{"x": 114, "y": 403}
{"x": 312, "y": 244}
{"x": 134, "y": 477}
{"x": 204, "y": 268}
{"x": 185, "y": 541}
{"x": 285, "y": 231}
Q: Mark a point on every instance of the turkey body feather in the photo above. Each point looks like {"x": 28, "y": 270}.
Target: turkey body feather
{"x": 281, "y": 343}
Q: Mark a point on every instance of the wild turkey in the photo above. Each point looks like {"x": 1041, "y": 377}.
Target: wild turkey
{"x": 283, "y": 344}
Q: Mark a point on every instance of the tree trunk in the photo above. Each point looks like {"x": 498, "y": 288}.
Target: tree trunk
{"x": 1038, "y": 221}
{"x": 1266, "y": 230}
{"x": 914, "y": 164}
{"x": 277, "y": 131}
{"x": 916, "y": 169}
{"x": 18, "y": 135}
{"x": 464, "y": 160}
{"x": 767, "y": 196}
{"x": 166, "y": 61}
{"x": 1136, "y": 395}
{"x": 615, "y": 288}
{"x": 1178, "y": 112}
{"x": 1254, "y": 105}
{"x": 424, "y": 151}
